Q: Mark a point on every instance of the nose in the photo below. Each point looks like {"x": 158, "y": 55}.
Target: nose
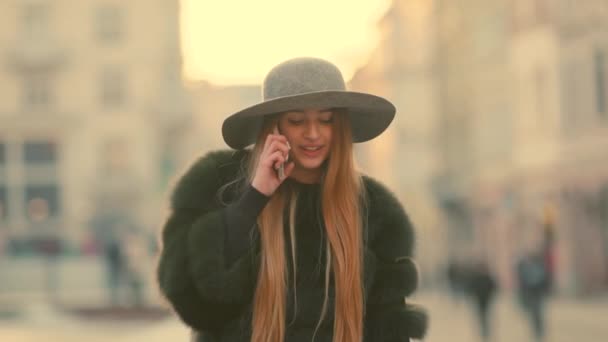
{"x": 312, "y": 131}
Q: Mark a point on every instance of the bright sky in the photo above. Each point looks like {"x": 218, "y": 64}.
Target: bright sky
{"x": 238, "y": 41}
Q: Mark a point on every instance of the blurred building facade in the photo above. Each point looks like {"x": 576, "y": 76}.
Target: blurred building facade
{"x": 554, "y": 191}
{"x": 559, "y": 51}
{"x": 499, "y": 142}
{"x": 519, "y": 126}
{"x": 476, "y": 120}
{"x": 93, "y": 115}
{"x": 214, "y": 103}
{"x": 406, "y": 157}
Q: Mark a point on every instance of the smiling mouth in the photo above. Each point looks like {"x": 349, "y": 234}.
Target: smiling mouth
{"x": 312, "y": 152}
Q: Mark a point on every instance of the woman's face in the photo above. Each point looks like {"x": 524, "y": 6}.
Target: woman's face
{"x": 309, "y": 133}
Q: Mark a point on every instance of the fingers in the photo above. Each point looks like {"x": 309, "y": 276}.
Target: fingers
{"x": 278, "y": 146}
{"x": 274, "y": 143}
{"x": 276, "y": 159}
{"x": 275, "y": 154}
{"x": 270, "y": 138}
{"x": 269, "y": 174}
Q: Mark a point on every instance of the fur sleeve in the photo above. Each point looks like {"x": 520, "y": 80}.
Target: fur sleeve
{"x": 191, "y": 273}
{"x": 389, "y": 257}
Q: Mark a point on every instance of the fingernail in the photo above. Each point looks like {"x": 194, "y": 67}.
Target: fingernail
{"x": 288, "y": 146}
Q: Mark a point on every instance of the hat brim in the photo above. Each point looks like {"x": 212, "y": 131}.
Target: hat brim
{"x": 369, "y": 114}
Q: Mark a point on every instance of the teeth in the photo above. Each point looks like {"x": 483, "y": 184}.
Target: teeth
{"x": 312, "y": 148}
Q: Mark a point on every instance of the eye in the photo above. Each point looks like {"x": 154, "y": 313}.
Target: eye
{"x": 295, "y": 122}
{"x": 326, "y": 118}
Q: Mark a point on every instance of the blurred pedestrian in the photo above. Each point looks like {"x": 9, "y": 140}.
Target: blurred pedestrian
{"x": 455, "y": 279}
{"x": 482, "y": 289}
{"x": 549, "y": 246}
{"x": 533, "y": 285}
{"x": 135, "y": 246}
{"x": 115, "y": 267}
{"x": 288, "y": 241}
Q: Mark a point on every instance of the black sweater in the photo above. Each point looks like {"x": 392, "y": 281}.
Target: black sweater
{"x": 209, "y": 260}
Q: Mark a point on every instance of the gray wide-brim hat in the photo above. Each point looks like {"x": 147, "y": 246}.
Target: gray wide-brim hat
{"x": 302, "y": 83}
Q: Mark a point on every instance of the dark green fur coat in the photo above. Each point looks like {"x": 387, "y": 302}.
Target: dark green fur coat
{"x": 215, "y": 299}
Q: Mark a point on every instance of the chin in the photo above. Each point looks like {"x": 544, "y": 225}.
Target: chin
{"x": 311, "y": 164}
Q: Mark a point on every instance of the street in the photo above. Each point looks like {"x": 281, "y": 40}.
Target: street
{"x": 568, "y": 320}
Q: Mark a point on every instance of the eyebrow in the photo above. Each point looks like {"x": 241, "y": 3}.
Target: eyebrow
{"x": 300, "y": 111}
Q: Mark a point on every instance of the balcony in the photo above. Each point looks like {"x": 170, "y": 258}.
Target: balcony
{"x": 42, "y": 120}
{"x": 35, "y": 54}
{"x": 171, "y": 107}
{"x": 117, "y": 193}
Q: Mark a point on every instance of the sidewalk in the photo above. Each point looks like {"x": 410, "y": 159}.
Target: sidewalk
{"x": 39, "y": 322}
{"x": 567, "y": 320}
{"x": 77, "y": 281}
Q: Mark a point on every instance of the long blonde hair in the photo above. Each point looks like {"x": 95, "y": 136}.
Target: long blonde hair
{"x": 340, "y": 197}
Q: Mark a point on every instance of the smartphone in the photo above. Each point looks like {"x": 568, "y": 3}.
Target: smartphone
{"x": 281, "y": 169}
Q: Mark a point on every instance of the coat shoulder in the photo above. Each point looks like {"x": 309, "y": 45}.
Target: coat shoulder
{"x": 374, "y": 187}
{"x": 391, "y": 231}
{"x": 199, "y": 184}
{"x": 380, "y": 199}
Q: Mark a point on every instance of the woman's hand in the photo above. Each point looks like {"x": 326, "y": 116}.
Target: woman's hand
{"x": 276, "y": 152}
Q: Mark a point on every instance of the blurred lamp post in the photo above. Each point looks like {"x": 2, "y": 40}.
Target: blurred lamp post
{"x": 548, "y": 241}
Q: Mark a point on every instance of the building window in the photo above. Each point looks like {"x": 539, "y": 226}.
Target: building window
{"x": 109, "y": 24}
{"x": 529, "y": 12}
{"x": 604, "y": 216}
{"x": 572, "y": 96}
{"x": 35, "y": 18}
{"x": 113, "y": 88}
{"x": 540, "y": 90}
{"x": 41, "y": 201}
{"x": 569, "y": 5}
{"x": 524, "y": 10}
{"x": 39, "y": 152}
{"x": 37, "y": 92}
{"x": 600, "y": 82}
{"x": 3, "y": 188}
{"x": 115, "y": 157}
{"x": 2, "y": 154}
{"x": 3, "y": 203}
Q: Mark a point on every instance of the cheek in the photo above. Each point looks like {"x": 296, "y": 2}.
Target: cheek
{"x": 328, "y": 133}
{"x": 292, "y": 139}
{"x": 289, "y": 133}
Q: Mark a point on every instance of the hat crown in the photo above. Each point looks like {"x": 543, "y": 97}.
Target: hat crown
{"x": 300, "y": 76}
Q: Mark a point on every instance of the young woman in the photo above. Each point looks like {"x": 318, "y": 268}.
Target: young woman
{"x": 287, "y": 241}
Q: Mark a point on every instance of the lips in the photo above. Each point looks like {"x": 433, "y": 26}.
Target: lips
{"x": 311, "y": 151}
